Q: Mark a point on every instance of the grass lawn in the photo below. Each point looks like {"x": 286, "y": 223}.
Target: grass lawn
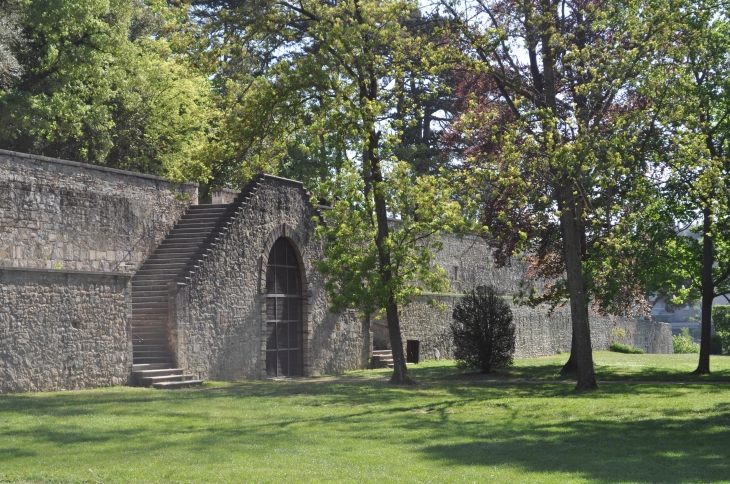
{"x": 609, "y": 366}
{"x": 454, "y": 427}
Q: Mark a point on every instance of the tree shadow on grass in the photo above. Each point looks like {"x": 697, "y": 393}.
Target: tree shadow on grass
{"x": 676, "y": 447}
{"x": 603, "y": 436}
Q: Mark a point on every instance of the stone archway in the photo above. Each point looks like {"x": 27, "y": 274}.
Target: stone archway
{"x": 285, "y": 329}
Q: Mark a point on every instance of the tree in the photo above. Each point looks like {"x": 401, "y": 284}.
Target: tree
{"x": 332, "y": 83}
{"x": 484, "y": 335}
{"x": 100, "y": 85}
{"x": 691, "y": 166}
{"x": 556, "y": 129}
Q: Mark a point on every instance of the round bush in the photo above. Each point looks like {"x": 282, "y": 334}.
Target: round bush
{"x": 484, "y": 335}
{"x": 684, "y": 343}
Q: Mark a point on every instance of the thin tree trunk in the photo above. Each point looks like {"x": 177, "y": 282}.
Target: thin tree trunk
{"x": 400, "y": 375}
{"x": 569, "y": 221}
{"x": 708, "y": 289}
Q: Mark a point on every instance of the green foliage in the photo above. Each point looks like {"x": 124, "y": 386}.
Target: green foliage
{"x": 721, "y": 318}
{"x": 423, "y": 210}
{"x": 483, "y": 331}
{"x": 618, "y": 334}
{"x": 101, "y": 85}
{"x": 716, "y": 344}
{"x": 622, "y": 348}
{"x": 721, "y": 322}
{"x": 684, "y": 343}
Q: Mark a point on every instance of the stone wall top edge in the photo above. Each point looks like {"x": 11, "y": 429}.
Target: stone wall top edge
{"x": 87, "y": 166}
{"x": 36, "y": 270}
{"x": 283, "y": 180}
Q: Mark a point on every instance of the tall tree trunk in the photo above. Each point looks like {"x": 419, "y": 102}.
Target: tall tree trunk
{"x": 708, "y": 290}
{"x": 569, "y": 220}
{"x": 400, "y": 375}
{"x": 571, "y": 366}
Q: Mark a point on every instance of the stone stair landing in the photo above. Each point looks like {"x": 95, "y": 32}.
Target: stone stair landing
{"x": 381, "y": 359}
{"x": 162, "y": 378}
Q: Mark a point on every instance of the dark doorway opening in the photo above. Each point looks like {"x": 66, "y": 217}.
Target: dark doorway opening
{"x": 284, "y": 351}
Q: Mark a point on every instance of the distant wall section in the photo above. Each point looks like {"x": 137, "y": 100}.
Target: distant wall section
{"x": 538, "y": 332}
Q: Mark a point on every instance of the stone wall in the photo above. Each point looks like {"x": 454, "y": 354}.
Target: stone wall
{"x": 63, "y": 330}
{"x": 468, "y": 263}
{"x": 538, "y": 332}
{"x": 61, "y": 214}
{"x": 218, "y": 324}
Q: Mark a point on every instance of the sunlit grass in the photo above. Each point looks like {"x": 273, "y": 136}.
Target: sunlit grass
{"x": 609, "y": 366}
{"x": 453, "y": 427}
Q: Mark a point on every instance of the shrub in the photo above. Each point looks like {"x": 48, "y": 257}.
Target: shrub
{"x": 715, "y": 344}
{"x": 684, "y": 343}
{"x": 620, "y": 348}
{"x": 721, "y": 322}
{"x": 721, "y": 317}
{"x": 724, "y": 340}
{"x": 484, "y": 335}
{"x": 617, "y": 334}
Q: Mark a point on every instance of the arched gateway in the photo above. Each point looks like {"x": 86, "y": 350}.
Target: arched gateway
{"x": 284, "y": 328}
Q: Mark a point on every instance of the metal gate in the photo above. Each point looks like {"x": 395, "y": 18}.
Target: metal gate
{"x": 284, "y": 353}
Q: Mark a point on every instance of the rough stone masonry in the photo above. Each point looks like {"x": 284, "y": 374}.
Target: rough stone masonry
{"x": 72, "y": 236}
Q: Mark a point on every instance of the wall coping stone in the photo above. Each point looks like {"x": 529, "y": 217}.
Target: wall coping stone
{"x": 87, "y": 166}
{"x": 64, "y": 271}
{"x": 286, "y": 181}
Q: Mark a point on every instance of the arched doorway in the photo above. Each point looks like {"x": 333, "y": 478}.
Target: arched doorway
{"x": 284, "y": 351}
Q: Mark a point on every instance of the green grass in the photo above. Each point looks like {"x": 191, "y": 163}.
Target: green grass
{"x": 453, "y": 427}
{"x": 609, "y": 365}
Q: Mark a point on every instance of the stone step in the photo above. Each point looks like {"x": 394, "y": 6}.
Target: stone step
{"x": 163, "y": 270}
{"x": 141, "y": 291}
{"x": 152, "y": 336}
{"x": 149, "y": 299}
{"x": 194, "y": 233}
{"x": 142, "y": 326}
{"x": 164, "y": 263}
{"x": 168, "y": 370}
{"x": 183, "y": 258}
{"x": 149, "y": 366}
{"x": 148, "y": 288}
{"x": 180, "y": 244}
{"x": 200, "y": 222}
{"x": 197, "y": 215}
{"x": 149, "y": 309}
{"x": 151, "y": 304}
{"x": 174, "y": 385}
{"x": 149, "y": 380}
{"x": 159, "y": 278}
{"x": 208, "y": 206}
{"x": 382, "y": 353}
{"x": 151, "y": 342}
{"x": 153, "y": 359}
{"x": 151, "y": 352}
{"x": 189, "y": 238}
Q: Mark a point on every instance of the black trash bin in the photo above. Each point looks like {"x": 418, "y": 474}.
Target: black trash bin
{"x": 413, "y": 349}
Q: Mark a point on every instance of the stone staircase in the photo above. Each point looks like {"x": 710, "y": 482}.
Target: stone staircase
{"x": 183, "y": 250}
{"x": 381, "y": 359}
